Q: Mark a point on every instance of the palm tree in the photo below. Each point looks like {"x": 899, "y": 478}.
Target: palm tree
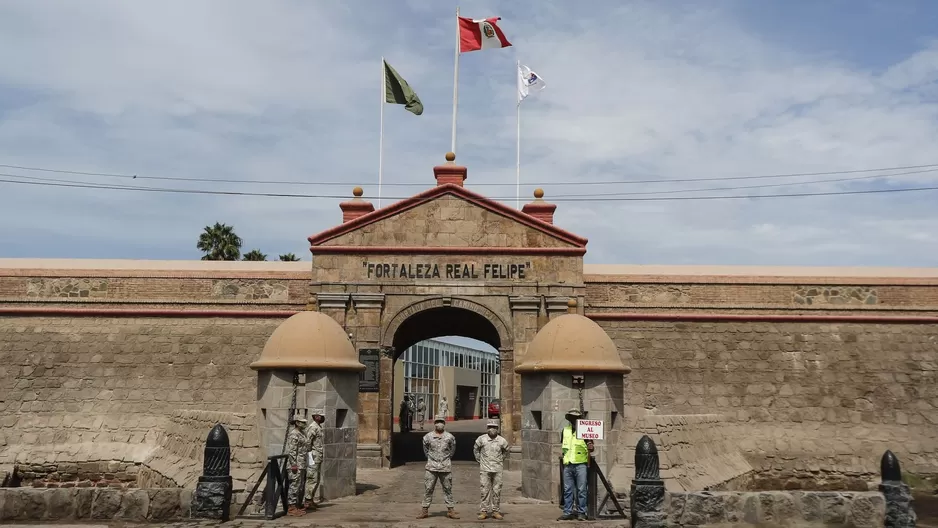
{"x": 289, "y": 257}
{"x": 254, "y": 254}
{"x": 219, "y": 242}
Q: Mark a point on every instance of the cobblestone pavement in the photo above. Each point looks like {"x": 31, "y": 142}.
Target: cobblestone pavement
{"x": 392, "y": 498}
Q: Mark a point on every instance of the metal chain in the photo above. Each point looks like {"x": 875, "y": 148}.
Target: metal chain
{"x": 580, "y": 390}
{"x": 296, "y": 383}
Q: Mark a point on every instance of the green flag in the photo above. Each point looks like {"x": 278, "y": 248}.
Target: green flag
{"x": 397, "y": 91}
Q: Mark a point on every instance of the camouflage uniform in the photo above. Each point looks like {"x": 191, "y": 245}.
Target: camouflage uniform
{"x": 297, "y": 447}
{"x": 490, "y": 453}
{"x": 313, "y": 472}
{"x": 439, "y": 450}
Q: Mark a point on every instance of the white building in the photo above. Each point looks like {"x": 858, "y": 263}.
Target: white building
{"x": 431, "y": 369}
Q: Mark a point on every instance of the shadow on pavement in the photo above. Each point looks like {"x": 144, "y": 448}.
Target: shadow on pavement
{"x": 361, "y": 487}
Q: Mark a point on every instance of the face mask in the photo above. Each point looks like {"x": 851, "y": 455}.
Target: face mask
{"x": 438, "y": 427}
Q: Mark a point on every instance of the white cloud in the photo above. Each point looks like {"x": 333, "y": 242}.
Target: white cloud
{"x": 288, "y": 91}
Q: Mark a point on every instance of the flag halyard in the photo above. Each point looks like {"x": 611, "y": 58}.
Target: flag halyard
{"x": 398, "y": 91}
{"x": 480, "y": 34}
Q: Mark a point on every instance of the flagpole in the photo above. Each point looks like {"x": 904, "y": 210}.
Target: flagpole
{"x": 518, "y": 146}
{"x": 455, "y": 83}
{"x": 384, "y": 81}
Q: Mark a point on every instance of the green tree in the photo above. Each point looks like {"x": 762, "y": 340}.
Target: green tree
{"x": 289, "y": 257}
{"x": 219, "y": 242}
{"x": 254, "y": 254}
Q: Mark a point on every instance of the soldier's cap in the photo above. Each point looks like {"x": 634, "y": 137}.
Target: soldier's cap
{"x": 299, "y": 420}
{"x": 317, "y": 413}
{"x": 440, "y": 419}
{"x": 574, "y": 412}
{"x": 492, "y": 423}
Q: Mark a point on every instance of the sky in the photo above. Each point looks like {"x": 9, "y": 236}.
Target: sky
{"x": 637, "y": 93}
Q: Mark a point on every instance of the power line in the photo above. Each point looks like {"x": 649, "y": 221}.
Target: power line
{"x": 599, "y": 199}
{"x": 560, "y": 196}
{"x": 543, "y": 184}
{"x": 761, "y": 186}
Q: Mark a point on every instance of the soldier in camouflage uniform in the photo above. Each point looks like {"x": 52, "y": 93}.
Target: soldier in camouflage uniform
{"x": 438, "y": 446}
{"x": 296, "y": 450}
{"x": 490, "y": 451}
{"x": 314, "y": 469}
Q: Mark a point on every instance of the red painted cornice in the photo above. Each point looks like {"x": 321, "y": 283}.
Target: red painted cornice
{"x": 139, "y": 312}
{"x": 433, "y": 193}
{"x": 455, "y": 250}
{"x": 596, "y": 316}
{"x": 760, "y": 318}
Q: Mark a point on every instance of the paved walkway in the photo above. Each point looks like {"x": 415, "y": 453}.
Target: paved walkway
{"x": 392, "y": 498}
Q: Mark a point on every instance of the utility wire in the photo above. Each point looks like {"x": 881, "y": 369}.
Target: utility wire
{"x": 424, "y": 184}
{"x": 739, "y": 187}
{"x": 599, "y": 199}
{"x": 565, "y": 195}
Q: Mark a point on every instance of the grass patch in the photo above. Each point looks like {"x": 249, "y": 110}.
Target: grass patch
{"x": 921, "y": 483}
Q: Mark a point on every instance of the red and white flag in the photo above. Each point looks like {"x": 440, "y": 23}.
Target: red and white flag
{"x": 480, "y": 34}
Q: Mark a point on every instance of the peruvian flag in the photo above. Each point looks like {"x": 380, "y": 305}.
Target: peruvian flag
{"x": 480, "y": 34}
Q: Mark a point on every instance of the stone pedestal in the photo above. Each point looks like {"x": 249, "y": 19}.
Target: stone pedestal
{"x": 899, "y": 513}
{"x": 212, "y": 498}
{"x": 647, "y": 497}
{"x": 647, "y": 504}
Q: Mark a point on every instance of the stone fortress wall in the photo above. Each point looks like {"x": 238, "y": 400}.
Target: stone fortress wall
{"x": 787, "y": 370}
{"x": 806, "y": 377}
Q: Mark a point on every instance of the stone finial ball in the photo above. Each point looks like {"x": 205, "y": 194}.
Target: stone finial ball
{"x": 538, "y": 193}
{"x": 571, "y": 303}
{"x": 450, "y": 156}
{"x": 357, "y": 192}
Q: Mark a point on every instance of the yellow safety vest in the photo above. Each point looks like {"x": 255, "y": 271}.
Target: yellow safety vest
{"x": 574, "y": 449}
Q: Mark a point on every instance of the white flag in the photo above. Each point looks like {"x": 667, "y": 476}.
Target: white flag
{"x": 528, "y": 81}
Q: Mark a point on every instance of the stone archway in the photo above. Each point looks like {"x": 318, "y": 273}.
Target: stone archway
{"x": 445, "y": 303}
{"x": 437, "y": 317}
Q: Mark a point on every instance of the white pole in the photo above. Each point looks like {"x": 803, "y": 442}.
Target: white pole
{"x": 452, "y": 147}
{"x": 518, "y": 146}
{"x": 381, "y": 135}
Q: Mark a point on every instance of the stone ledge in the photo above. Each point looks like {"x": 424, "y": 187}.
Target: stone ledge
{"x": 25, "y": 504}
{"x": 797, "y": 508}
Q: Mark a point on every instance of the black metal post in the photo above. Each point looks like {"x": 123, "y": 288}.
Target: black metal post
{"x": 560, "y": 483}
{"x": 271, "y": 495}
{"x": 899, "y": 511}
{"x": 647, "y": 497}
{"x": 212, "y": 497}
{"x": 591, "y": 491}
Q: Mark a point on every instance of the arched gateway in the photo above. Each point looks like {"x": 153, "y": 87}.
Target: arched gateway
{"x": 446, "y": 261}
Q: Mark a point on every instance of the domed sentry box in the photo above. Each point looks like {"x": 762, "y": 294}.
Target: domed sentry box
{"x": 570, "y": 364}
{"x": 309, "y": 357}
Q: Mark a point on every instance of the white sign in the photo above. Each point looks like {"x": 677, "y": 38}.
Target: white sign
{"x": 589, "y": 429}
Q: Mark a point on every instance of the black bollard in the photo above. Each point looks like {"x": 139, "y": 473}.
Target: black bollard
{"x": 899, "y": 512}
{"x": 647, "y": 497}
{"x": 212, "y": 497}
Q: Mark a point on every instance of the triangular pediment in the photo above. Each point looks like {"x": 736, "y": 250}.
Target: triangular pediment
{"x": 448, "y": 217}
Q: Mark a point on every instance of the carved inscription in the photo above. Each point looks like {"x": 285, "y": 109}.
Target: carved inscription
{"x": 450, "y": 271}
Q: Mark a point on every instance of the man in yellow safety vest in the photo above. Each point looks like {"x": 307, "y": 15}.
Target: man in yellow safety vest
{"x": 576, "y": 457}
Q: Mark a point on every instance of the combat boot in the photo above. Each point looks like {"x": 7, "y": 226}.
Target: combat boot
{"x": 424, "y": 513}
{"x": 483, "y": 516}
{"x": 497, "y": 516}
{"x": 452, "y": 514}
{"x": 295, "y": 512}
